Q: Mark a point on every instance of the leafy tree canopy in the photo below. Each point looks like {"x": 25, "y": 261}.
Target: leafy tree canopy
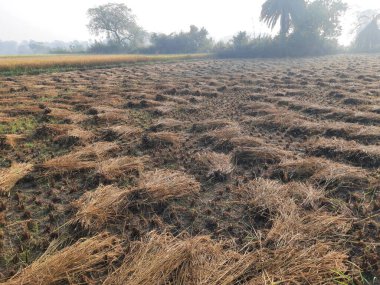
{"x": 116, "y": 23}
{"x": 368, "y": 31}
{"x": 195, "y": 40}
{"x": 287, "y": 11}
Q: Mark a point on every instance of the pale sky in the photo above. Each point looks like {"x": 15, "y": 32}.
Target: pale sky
{"x": 48, "y": 20}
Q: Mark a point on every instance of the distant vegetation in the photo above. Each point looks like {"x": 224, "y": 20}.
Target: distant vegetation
{"x": 305, "y": 28}
{"x": 196, "y": 40}
{"x": 368, "y": 35}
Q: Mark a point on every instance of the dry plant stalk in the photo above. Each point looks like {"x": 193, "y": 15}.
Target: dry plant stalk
{"x": 217, "y": 164}
{"x": 266, "y": 195}
{"x": 95, "y": 208}
{"x": 300, "y": 169}
{"x": 323, "y": 172}
{"x": 83, "y": 135}
{"x": 342, "y": 177}
{"x": 13, "y": 139}
{"x": 280, "y": 198}
{"x": 247, "y": 141}
{"x": 350, "y": 151}
{"x": 259, "y": 155}
{"x": 211, "y": 125}
{"x": 126, "y": 131}
{"x": 67, "y": 114}
{"x": 162, "y": 138}
{"x": 84, "y": 158}
{"x": 286, "y": 265}
{"x": 167, "y": 124}
{"x": 221, "y": 135}
{"x": 84, "y": 257}
{"x": 164, "y": 259}
{"x": 114, "y": 116}
{"x": 164, "y": 184}
{"x": 118, "y": 167}
{"x": 10, "y": 176}
{"x": 295, "y": 227}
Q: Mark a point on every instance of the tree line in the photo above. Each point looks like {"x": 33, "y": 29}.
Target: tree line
{"x": 305, "y": 28}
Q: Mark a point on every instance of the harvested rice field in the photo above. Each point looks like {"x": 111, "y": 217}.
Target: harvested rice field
{"x": 204, "y": 172}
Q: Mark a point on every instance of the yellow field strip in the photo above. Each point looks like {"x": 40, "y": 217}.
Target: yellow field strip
{"x": 9, "y": 63}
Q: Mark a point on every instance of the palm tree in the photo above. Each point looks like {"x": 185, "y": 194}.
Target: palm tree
{"x": 287, "y": 10}
{"x": 368, "y": 38}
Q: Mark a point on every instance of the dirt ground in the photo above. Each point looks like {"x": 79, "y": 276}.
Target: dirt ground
{"x": 274, "y": 162}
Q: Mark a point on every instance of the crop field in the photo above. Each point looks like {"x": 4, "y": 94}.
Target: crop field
{"x": 16, "y": 65}
{"x": 203, "y": 172}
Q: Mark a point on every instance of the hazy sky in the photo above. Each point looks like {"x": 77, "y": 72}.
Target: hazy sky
{"x": 47, "y": 20}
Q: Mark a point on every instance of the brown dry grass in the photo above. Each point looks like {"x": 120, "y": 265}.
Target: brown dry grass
{"x": 95, "y": 208}
{"x": 289, "y": 122}
{"x": 211, "y": 125}
{"x": 162, "y": 139}
{"x": 350, "y": 151}
{"x": 126, "y": 131}
{"x": 300, "y": 169}
{"x": 116, "y": 168}
{"x": 323, "y": 172}
{"x": 216, "y": 164}
{"x": 164, "y": 184}
{"x": 168, "y": 124}
{"x": 221, "y": 135}
{"x": 83, "y": 158}
{"x": 270, "y": 195}
{"x": 83, "y": 135}
{"x": 163, "y": 259}
{"x": 72, "y": 263}
{"x": 14, "y": 139}
{"x": 67, "y": 115}
{"x": 10, "y": 176}
{"x": 286, "y": 265}
{"x": 258, "y": 155}
{"x": 247, "y": 141}
{"x": 259, "y": 108}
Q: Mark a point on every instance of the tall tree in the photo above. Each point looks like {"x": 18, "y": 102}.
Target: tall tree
{"x": 284, "y": 10}
{"x": 322, "y": 17}
{"x": 116, "y": 22}
{"x": 368, "y": 36}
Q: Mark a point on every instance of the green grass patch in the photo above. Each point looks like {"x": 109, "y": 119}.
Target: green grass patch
{"x": 20, "y": 126}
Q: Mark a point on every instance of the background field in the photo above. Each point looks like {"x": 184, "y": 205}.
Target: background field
{"x": 194, "y": 172}
{"x": 16, "y": 65}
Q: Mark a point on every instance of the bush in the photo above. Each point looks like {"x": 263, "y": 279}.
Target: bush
{"x": 194, "y": 41}
{"x": 107, "y": 48}
{"x": 295, "y": 45}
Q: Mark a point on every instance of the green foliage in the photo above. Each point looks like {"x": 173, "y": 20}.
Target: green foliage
{"x": 368, "y": 36}
{"x": 241, "y": 40}
{"x": 322, "y": 18}
{"x": 294, "y": 45}
{"x": 307, "y": 28}
{"x": 19, "y": 126}
{"x": 287, "y": 11}
{"x": 194, "y": 41}
{"x": 118, "y": 25}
